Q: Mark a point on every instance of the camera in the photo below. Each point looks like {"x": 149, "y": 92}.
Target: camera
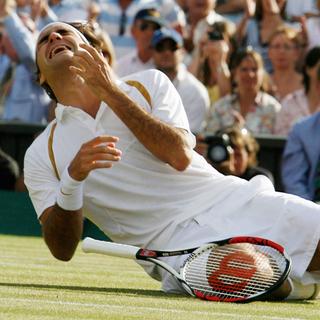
{"x": 219, "y": 148}
{"x": 215, "y": 35}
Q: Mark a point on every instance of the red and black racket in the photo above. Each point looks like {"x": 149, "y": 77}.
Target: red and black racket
{"x": 238, "y": 269}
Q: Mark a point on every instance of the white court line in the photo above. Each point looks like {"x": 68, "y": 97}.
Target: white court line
{"x": 151, "y": 309}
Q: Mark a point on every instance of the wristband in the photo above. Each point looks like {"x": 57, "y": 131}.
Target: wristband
{"x": 70, "y": 194}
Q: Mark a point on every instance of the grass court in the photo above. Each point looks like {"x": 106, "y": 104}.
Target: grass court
{"x": 35, "y": 286}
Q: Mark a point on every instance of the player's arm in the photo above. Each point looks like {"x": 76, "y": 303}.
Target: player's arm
{"x": 169, "y": 144}
{"x": 62, "y": 231}
{"x": 62, "y": 222}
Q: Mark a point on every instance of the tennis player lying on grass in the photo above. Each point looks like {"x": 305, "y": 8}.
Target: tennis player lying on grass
{"x": 123, "y": 157}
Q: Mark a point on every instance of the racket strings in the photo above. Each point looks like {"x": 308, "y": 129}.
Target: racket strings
{"x": 234, "y": 271}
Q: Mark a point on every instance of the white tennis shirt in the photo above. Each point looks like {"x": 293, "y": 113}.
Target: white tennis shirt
{"x": 140, "y": 196}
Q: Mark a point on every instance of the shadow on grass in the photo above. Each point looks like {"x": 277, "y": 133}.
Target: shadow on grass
{"x": 125, "y": 291}
{"x": 128, "y": 291}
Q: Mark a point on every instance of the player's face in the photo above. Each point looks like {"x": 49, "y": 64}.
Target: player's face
{"x": 55, "y": 47}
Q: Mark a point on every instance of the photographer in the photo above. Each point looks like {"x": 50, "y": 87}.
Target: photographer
{"x": 211, "y": 59}
{"x": 233, "y": 151}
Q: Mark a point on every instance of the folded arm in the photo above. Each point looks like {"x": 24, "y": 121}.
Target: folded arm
{"x": 169, "y": 144}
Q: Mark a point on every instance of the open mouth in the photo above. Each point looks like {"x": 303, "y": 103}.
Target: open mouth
{"x": 58, "y": 50}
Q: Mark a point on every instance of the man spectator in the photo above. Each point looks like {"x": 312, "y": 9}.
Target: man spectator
{"x": 22, "y": 97}
{"x": 145, "y": 23}
{"x": 300, "y": 163}
{"x": 201, "y": 15}
{"x": 167, "y": 56}
{"x": 116, "y": 18}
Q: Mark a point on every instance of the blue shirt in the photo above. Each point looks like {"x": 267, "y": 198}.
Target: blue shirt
{"x": 26, "y": 100}
{"x": 301, "y": 156}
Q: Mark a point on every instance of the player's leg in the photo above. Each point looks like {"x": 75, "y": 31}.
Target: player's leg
{"x": 315, "y": 261}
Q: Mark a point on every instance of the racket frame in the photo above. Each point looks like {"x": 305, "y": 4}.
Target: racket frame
{"x": 90, "y": 245}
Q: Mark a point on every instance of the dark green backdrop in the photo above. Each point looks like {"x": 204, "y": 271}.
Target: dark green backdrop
{"x": 17, "y": 217}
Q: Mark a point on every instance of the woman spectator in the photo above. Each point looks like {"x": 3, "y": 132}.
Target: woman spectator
{"x": 211, "y": 60}
{"x": 284, "y": 54}
{"x": 261, "y": 19}
{"x": 24, "y": 100}
{"x": 248, "y": 105}
{"x": 305, "y": 101}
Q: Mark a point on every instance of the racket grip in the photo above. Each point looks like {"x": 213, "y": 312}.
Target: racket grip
{"x": 90, "y": 245}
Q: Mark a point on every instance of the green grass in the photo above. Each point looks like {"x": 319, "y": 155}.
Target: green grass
{"x": 33, "y": 285}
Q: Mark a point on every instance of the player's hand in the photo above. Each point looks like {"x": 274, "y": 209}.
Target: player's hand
{"x": 97, "y": 153}
{"x": 95, "y": 70}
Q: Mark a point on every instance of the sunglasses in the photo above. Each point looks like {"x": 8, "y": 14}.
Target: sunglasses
{"x": 165, "y": 46}
{"x": 148, "y": 26}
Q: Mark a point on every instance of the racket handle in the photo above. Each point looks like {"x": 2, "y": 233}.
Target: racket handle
{"x": 90, "y": 245}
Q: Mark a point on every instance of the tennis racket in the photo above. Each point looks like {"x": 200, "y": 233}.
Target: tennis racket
{"x": 237, "y": 269}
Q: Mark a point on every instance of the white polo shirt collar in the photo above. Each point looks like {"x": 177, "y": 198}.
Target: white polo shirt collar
{"x": 61, "y": 110}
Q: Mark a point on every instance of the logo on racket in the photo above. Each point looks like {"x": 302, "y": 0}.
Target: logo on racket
{"x": 235, "y": 265}
{"x": 147, "y": 253}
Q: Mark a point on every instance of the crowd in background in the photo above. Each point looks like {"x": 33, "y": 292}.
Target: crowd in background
{"x": 237, "y": 64}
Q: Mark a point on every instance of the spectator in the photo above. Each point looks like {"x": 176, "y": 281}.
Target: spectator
{"x": 70, "y": 10}
{"x": 210, "y": 63}
{"x": 9, "y": 171}
{"x": 261, "y": 19}
{"x": 300, "y": 169}
{"x": 284, "y": 54}
{"x": 313, "y": 28}
{"x": 25, "y": 100}
{"x": 234, "y": 151}
{"x": 302, "y": 102}
{"x": 38, "y": 10}
{"x": 116, "y": 18}
{"x": 201, "y": 14}
{"x": 231, "y": 9}
{"x": 144, "y": 24}
{"x": 167, "y": 56}
{"x": 248, "y": 105}
{"x": 296, "y": 10}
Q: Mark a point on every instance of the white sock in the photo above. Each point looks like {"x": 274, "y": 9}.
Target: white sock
{"x": 303, "y": 292}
